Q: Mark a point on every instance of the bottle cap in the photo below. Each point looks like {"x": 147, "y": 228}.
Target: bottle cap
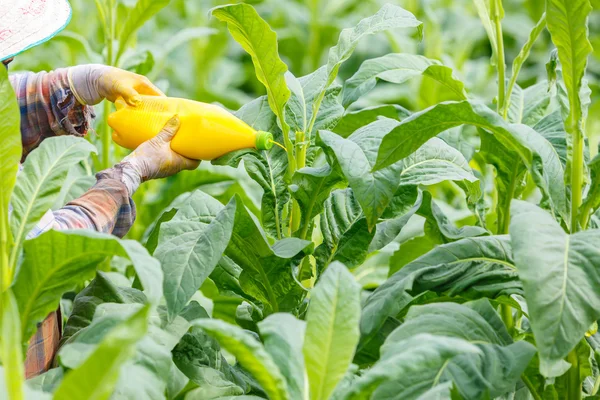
{"x": 264, "y": 140}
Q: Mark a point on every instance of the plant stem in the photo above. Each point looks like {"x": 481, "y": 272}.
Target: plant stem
{"x": 574, "y": 384}
{"x": 531, "y": 388}
{"x": 576, "y": 176}
{"x": 106, "y": 136}
{"x": 314, "y": 55}
{"x": 497, "y": 17}
{"x": 296, "y": 213}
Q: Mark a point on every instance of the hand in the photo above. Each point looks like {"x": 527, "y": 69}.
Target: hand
{"x": 155, "y": 159}
{"x": 93, "y": 83}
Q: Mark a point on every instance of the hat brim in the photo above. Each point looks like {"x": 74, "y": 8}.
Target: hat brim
{"x": 30, "y": 23}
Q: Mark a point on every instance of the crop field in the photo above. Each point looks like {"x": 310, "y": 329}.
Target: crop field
{"x": 428, "y": 226}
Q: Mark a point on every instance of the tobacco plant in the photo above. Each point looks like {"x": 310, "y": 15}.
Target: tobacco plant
{"x": 239, "y": 301}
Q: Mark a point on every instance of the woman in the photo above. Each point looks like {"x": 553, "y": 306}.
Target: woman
{"x": 60, "y": 103}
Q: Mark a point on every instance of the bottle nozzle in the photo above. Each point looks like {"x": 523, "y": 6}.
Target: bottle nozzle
{"x": 264, "y": 140}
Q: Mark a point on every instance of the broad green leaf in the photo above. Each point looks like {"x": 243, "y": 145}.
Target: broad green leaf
{"x": 482, "y": 7}
{"x": 552, "y": 128}
{"x": 283, "y": 336}
{"x": 417, "y": 129}
{"x": 411, "y": 250}
{"x": 268, "y": 169}
{"x": 199, "y": 357}
{"x": 356, "y": 157}
{"x": 40, "y": 182}
{"x": 311, "y": 187}
{"x": 351, "y": 121}
{"x": 190, "y": 246}
{"x": 437, "y": 224}
{"x": 331, "y": 330}
{"x": 77, "y": 183}
{"x": 11, "y": 346}
{"x": 212, "y": 384}
{"x": 404, "y": 205}
{"x": 436, "y": 162}
{"x": 136, "y": 18}
{"x": 388, "y": 17}
{"x": 534, "y": 151}
{"x": 299, "y": 109}
{"x": 100, "y": 290}
{"x": 471, "y": 267}
{"x": 55, "y": 262}
{"x": 496, "y": 369}
{"x": 409, "y": 368}
{"x": 267, "y": 273}
{"x": 344, "y": 229}
{"x": 528, "y": 106}
{"x": 398, "y": 68}
{"x": 567, "y": 24}
{"x": 97, "y": 376}
{"x": 558, "y": 279}
{"x": 146, "y": 376}
{"x": 250, "y": 353}
{"x": 260, "y": 41}
{"x": 10, "y": 155}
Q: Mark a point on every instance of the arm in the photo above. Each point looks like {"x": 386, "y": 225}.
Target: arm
{"x": 48, "y": 107}
{"x": 107, "y": 207}
{"x": 59, "y": 102}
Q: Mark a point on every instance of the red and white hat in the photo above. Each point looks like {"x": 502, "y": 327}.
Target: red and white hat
{"x": 27, "y": 23}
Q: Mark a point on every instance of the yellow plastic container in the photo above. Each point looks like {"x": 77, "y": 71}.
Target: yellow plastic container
{"x": 206, "y": 131}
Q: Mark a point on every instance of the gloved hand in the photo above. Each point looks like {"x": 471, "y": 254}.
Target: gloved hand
{"x": 92, "y": 83}
{"x": 155, "y": 159}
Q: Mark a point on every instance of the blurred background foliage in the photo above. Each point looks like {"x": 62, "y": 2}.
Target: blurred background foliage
{"x": 189, "y": 54}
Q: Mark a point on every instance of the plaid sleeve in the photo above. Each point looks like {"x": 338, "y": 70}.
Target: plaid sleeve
{"x": 106, "y": 208}
{"x": 48, "y": 107}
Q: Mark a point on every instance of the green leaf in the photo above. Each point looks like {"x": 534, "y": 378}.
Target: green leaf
{"x": 100, "y": 290}
{"x": 76, "y": 184}
{"x": 471, "y": 267}
{"x": 283, "y": 336}
{"x": 436, "y": 162}
{"x": 260, "y": 41}
{"x": 529, "y": 106}
{"x": 267, "y": 270}
{"x": 535, "y": 152}
{"x": 351, "y": 121}
{"x": 190, "y": 246}
{"x": 438, "y": 226}
{"x": 136, "y": 18}
{"x": 398, "y": 68}
{"x": 558, "y": 278}
{"x": 331, "y": 330}
{"x": 552, "y": 128}
{"x": 299, "y": 109}
{"x": 55, "y": 262}
{"x": 356, "y": 156}
{"x": 388, "y": 17}
{"x": 592, "y": 199}
{"x": 311, "y": 187}
{"x": 40, "y": 182}
{"x": 522, "y": 57}
{"x": 268, "y": 169}
{"x": 10, "y": 155}
{"x": 567, "y": 24}
{"x": 11, "y": 346}
{"x": 409, "y": 368}
{"x": 344, "y": 229}
{"x": 97, "y": 376}
{"x": 250, "y": 353}
{"x": 496, "y": 369}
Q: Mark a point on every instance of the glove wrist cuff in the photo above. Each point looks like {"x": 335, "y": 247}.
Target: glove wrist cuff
{"x": 126, "y": 174}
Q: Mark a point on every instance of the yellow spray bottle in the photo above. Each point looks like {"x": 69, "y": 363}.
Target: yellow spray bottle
{"x": 206, "y": 131}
